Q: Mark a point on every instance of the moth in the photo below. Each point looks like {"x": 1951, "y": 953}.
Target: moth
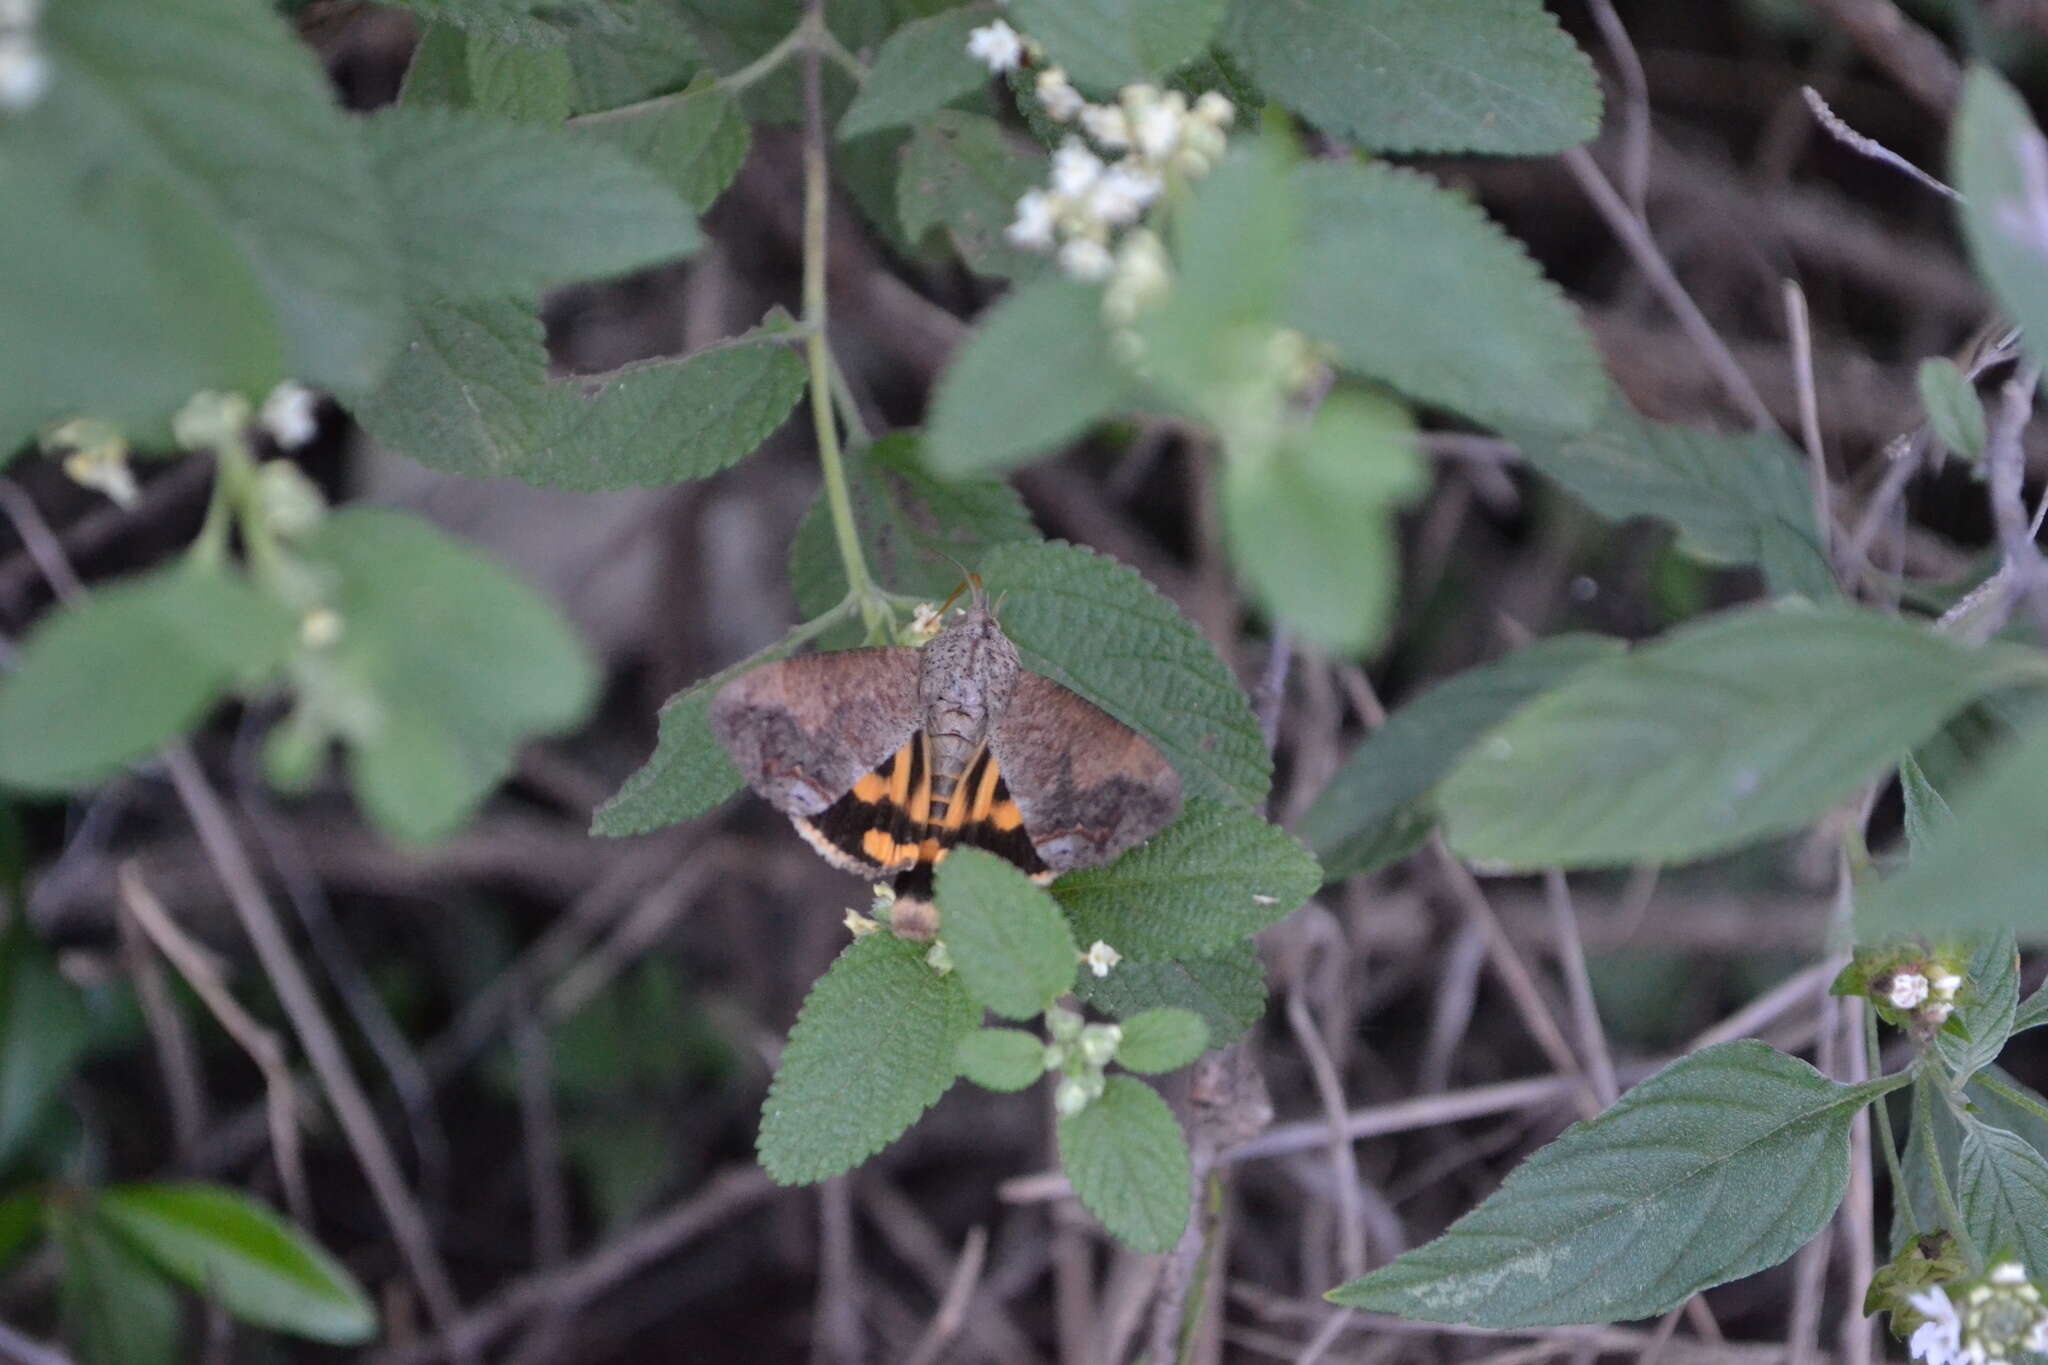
{"x": 888, "y": 758}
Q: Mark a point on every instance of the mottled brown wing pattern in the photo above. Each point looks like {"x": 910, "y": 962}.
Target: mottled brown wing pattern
{"x": 804, "y": 730}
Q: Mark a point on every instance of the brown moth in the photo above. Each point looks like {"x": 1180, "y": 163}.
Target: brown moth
{"x": 886, "y": 758}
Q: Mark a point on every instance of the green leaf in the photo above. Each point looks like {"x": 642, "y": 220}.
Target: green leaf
{"x": 1009, "y": 942}
{"x": 513, "y": 21}
{"x": 1162, "y": 1040}
{"x": 1414, "y": 285}
{"x": 117, "y": 1310}
{"x": 695, "y": 141}
{"x": 44, "y": 1033}
{"x": 438, "y": 75}
{"x": 922, "y": 68}
{"x": 1129, "y": 1165}
{"x": 232, "y": 1250}
{"x": 1422, "y": 75}
{"x": 1735, "y": 728}
{"x": 1005, "y": 1059}
{"x": 485, "y": 208}
{"x": 2032, "y": 1012}
{"x": 653, "y": 54}
{"x": 1212, "y": 877}
{"x": 871, "y": 1051}
{"x": 1997, "y": 154}
{"x": 1723, "y": 1164}
{"x": 1106, "y": 44}
{"x": 1988, "y": 871}
{"x": 1953, "y": 408}
{"x": 1734, "y": 499}
{"x": 1226, "y": 988}
{"x": 1928, "y": 817}
{"x": 2002, "y": 1192}
{"x": 1377, "y": 809}
{"x": 21, "y": 1223}
{"x": 518, "y": 82}
{"x": 1312, "y": 528}
{"x": 471, "y": 397}
{"x": 1989, "y": 1005}
{"x": 916, "y": 531}
{"x": 445, "y": 665}
{"x": 961, "y": 174}
{"x": 153, "y": 653}
{"x": 1035, "y": 374}
{"x": 1093, "y": 625}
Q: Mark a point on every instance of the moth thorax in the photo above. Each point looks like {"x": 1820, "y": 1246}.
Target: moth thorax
{"x": 969, "y": 674}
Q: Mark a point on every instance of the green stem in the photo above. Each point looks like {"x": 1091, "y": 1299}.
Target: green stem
{"x": 874, "y": 612}
{"x": 1881, "y": 1119}
{"x": 765, "y": 65}
{"x": 210, "y": 546}
{"x": 849, "y": 411}
{"x": 1923, "y": 1113}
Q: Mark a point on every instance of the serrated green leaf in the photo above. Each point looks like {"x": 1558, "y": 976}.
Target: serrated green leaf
{"x": 438, "y": 75}
{"x": 1996, "y": 154}
{"x": 1376, "y": 809}
{"x": 44, "y": 1033}
{"x": 1734, "y": 499}
{"x": 922, "y": 68}
{"x": 2002, "y": 1192}
{"x": 1928, "y": 817}
{"x": 1035, "y": 373}
{"x": 514, "y": 21}
{"x": 1159, "y": 1040}
{"x": 1212, "y": 877}
{"x": 962, "y": 175}
{"x": 916, "y": 531}
{"x": 1226, "y": 988}
{"x": 471, "y": 397}
{"x": 153, "y": 653}
{"x": 1092, "y": 624}
{"x": 1987, "y": 873}
{"x": 232, "y": 1250}
{"x": 1312, "y": 528}
{"x": 695, "y": 141}
{"x": 872, "y": 1050}
{"x": 1953, "y": 409}
{"x": 1413, "y": 285}
{"x": 1128, "y": 1163}
{"x": 1422, "y": 75}
{"x": 1735, "y": 728}
{"x": 1987, "y": 1010}
{"x": 654, "y": 54}
{"x": 1005, "y": 1059}
{"x": 1107, "y": 44}
{"x": 485, "y": 209}
{"x": 1723, "y": 1164}
{"x": 1009, "y": 941}
{"x": 518, "y": 82}
{"x": 116, "y": 1309}
{"x": 447, "y": 664}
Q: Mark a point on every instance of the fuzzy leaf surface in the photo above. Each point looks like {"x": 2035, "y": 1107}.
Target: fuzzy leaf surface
{"x": 1987, "y": 1010}
{"x": 695, "y": 141}
{"x": 922, "y": 68}
{"x": 2002, "y": 1192}
{"x": 1106, "y": 44}
{"x": 1227, "y": 989}
{"x": 962, "y": 175}
{"x": 1128, "y": 1162}
{"x": 1996, "y": 155}
{"x": 1953, "y": 409}
{"x": 1010, "y": 944}
{"x": 1005, "y": 1059}
{"x": 1159, "y": 1040}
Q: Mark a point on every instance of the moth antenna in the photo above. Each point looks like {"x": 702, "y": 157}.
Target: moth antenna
{"x": 970, "y": 581}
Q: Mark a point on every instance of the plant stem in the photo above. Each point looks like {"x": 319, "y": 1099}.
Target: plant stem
{"x": 1881, "y": 1119}
{"x": 874, "y": 612}
{"x": 1923, "y": 1113}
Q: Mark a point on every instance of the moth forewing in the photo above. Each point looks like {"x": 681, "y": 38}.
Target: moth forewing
{"x": 804, "y": 730}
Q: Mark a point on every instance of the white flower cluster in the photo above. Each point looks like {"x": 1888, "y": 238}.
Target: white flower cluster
{"x": 1080, "y": 1051}
{"x": 1989, "y": 1323}
{"x": 24, "y": 70}
{"x": 1929, "y": 991}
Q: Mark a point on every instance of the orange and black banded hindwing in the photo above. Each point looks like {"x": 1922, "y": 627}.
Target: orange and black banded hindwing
{"x": 885, "y": 759}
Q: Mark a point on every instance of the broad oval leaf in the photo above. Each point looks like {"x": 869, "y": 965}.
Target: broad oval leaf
{"x": 2002, "y": 1193}
{"x": 1722, "y": 1164}
{"x": 1105, "y": 44}
{"x": 1007, "y": 937}
{"x": 2000, "y": 162}
{"x": 873, "y": 1048}
{"x": 695, "y": 141}
{"x": 1986, "y": 1015}
{"x": 922, "y": 68}
{"x": 1414, "y": 285}
{"x": 961, "y": 174}
{"x": 228, "y": 1248}
{"x": 1738, "y": 727}
{"x": 1159, "y": 1040}
{"x": 1422, "y": 75}
{"x": 1216, "y": 875}
{"x": 1128, "y": 1163}
{"x": 153, "y": 654}
{"x": 117, "y": 1309}
{"x": 44, "y": 1033}
{"x": 1004, "y": 1059}
{"x": 520, "y": 82}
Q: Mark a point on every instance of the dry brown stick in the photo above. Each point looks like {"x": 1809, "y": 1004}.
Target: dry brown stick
{"x": 1571, "y": 956}
{"x": 910, "y": 1235}
{"x": 2005, "y": 473}
{"x": 1858, "y": 1214}
{"x": 203, "y": 975}
{"x": 952, "y": 1313}
{"x": 836, "y": 1332}
{"x": 542, "y": 1131}
{"x": 171, "y": 1039}
{"x": 1635, "y": 106}
{"x": 1906, "y": 52}
{"x": 1809, "y": 416}
{"x": 16, "y": 1349}
{"x": 1342, "y": 1155}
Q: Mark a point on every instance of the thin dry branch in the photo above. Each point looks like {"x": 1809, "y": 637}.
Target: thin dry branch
{"x": 1906, "y": 52}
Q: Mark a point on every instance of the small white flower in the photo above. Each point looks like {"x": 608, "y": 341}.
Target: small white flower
{"x": 997, "y": 45}
{"x": 1086, "y": 260}
{"x": 1108, "y": 125}
{"x": 1156, "y": 127}
{"x": 1099, "y": 1043}
{"x": 2037, "y": 1339}
{"x": 287, "y": 414}
{"x": 1122, "y": 194}
{"x": 860, "y": 926}
{"x": 1100, "y": 957}
{"x": 1907, "y": 990}
{"x": 320, "y": 628}
{"x": 924, "y": 623}
{"x": 1070, "y": 1096}
{"x": 1938, "y": 1340}
{"x": 1060, "y": 100}
{"x": 210, "y": 419}
{"x": 1037, "y": 214}
{"x": 1075, "y": 169}
{"x": 24, "y": 71}
{"x": 1215, "y": 109}
{"x": 1937, "y": 1012}
{"x": 1143, "y": 278}
{"x": 2008, "y": 1273}
{"x": 104, "y": 469}
{"x": 1946, "y": 985}
{"x": 939, "y": 958}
